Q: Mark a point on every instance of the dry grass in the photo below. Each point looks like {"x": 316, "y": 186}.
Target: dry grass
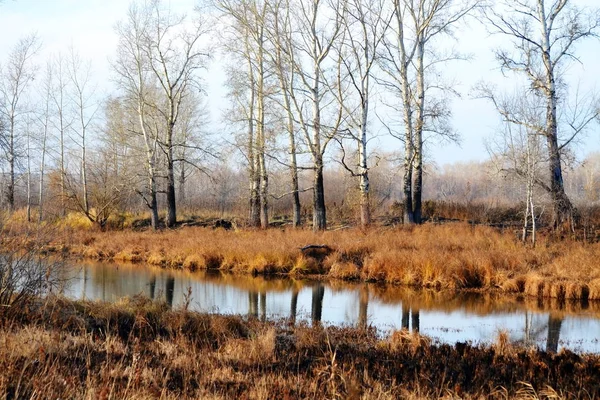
{"x": 139, "y": 349}
{"x": 449, "y": 256}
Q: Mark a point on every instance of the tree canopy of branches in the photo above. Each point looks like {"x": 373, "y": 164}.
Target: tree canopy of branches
{"x": 544, "y": 34}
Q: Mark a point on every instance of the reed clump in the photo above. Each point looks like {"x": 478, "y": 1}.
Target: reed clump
{"x": 449, "y": 256}
{"x": 135, "y": 348}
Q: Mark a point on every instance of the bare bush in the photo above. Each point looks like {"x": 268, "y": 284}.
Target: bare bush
{"x": 24, "y": 271}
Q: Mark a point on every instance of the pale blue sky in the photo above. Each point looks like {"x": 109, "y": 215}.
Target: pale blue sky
{"x": 88, "y": 25}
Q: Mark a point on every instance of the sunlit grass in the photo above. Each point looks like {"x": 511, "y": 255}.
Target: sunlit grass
{"x": 440, "y": 257}
{"x": 450, "y": 256}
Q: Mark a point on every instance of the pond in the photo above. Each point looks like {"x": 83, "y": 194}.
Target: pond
{"x": 443, "y": 316}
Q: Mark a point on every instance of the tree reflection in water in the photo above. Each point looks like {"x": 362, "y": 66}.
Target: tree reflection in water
{"x": 412, "y": 314}
{"x": 554, "y": 325}
{"x": 153, "y": 287}
{"x": 253, "y": 303}
{"x": 294, "y": 305}
{"x": 263, "y": 306}
{"x": 170, "y": 290}
{"x": 547, "y": 325}
{"x": 318, "y": 293}
{"x": 363, "y": 306}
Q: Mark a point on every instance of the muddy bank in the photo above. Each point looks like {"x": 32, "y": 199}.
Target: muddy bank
{"x": 138, "y": 348}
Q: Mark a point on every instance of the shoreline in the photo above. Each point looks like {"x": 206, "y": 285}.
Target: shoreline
{"x": 448, "y": 257}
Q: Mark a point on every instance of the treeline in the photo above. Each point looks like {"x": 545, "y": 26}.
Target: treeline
{"x": 309, "y": 85}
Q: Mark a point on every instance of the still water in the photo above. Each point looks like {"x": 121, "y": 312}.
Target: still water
{"x": 445, "y": 317}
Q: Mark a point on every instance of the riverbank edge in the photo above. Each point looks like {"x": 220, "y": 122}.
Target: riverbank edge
{"x": 454, "y": 257}
{"x": 137, "y": 348}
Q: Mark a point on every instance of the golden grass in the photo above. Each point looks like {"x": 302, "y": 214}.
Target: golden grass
{"x": 140, "y": 349}
{"x": 449, "y": 256}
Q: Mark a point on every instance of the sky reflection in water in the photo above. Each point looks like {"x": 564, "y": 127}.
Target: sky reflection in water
{"x": 442, "y": 316}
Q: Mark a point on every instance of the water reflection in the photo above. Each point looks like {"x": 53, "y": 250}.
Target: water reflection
{"x": 363, "y": 306}
{"x": 554, "y": 325}
{"x": 294, "y": 305}
{"x": 316, "y": 310}
{"x": 412, "y": 314}
{"x": 444, "y": 316}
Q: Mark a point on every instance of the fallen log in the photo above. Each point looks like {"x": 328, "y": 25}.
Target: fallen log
{"x": 315, "y": 246}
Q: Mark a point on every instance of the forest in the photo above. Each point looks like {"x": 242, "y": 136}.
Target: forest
{"x": 309, "y": 87}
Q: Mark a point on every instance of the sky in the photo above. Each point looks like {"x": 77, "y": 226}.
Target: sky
{"x": 88, "y": 26}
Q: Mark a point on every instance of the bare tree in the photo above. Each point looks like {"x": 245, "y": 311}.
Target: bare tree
{"x": 409, "y": 59}
{"x": 317, "y": 28}
{"x": 85, "y": 107}
{"x": 282, "y": 59}
{"x": 192, "y": 150}
{"x": 62, "y": 121}
{"x": 247, "y": 24}
{"x": 366, "y": 24}
{"x": 174, "y": 54}
{"x": 544, "y": 34}
{"x": 17, "y": 75}
{"x": 44, "y": 129}
{"x": 518, "y": 153}
{"x": 28, "y": 157}
{"x": 133, "y": 73}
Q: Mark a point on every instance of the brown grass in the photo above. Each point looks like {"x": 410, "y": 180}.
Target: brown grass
{"x": 140, "y": 349}
{"x": 449, "y": 256}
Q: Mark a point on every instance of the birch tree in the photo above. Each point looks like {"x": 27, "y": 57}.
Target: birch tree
{"x": 44, "y": 125}
{"x": 192, "y": 151}
{"x": 85, "y": 108}
{"x": 247, "y": 26}
{"x": 134, "y": 75}
{"x": 317, "y": 28}
{"x": 366, "y": 23}
{"x": 17, "y": 75}
{"x": 544, "y": 35}
{"x": 61, "y": 122}
{"x": 409, "y": 58}
{"x": 282, "y": 58}
{"x": 175, "y": 55}
{"x": 28, "y": 157}
{"x": 517, "y": 153}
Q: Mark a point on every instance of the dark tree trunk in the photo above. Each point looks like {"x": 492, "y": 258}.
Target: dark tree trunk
{"x": 297, "y": 212}
{"x": 171, "y": 201}
{"x": 254, "y": 209}
{"x": 408, "y": 216}
{"x": 319, "y": 211}
{"x": 417, "y": 202}
{"x": 561, "y": 205}
{"x": 182, "y": 179}
{"x": 154, "y": 220}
